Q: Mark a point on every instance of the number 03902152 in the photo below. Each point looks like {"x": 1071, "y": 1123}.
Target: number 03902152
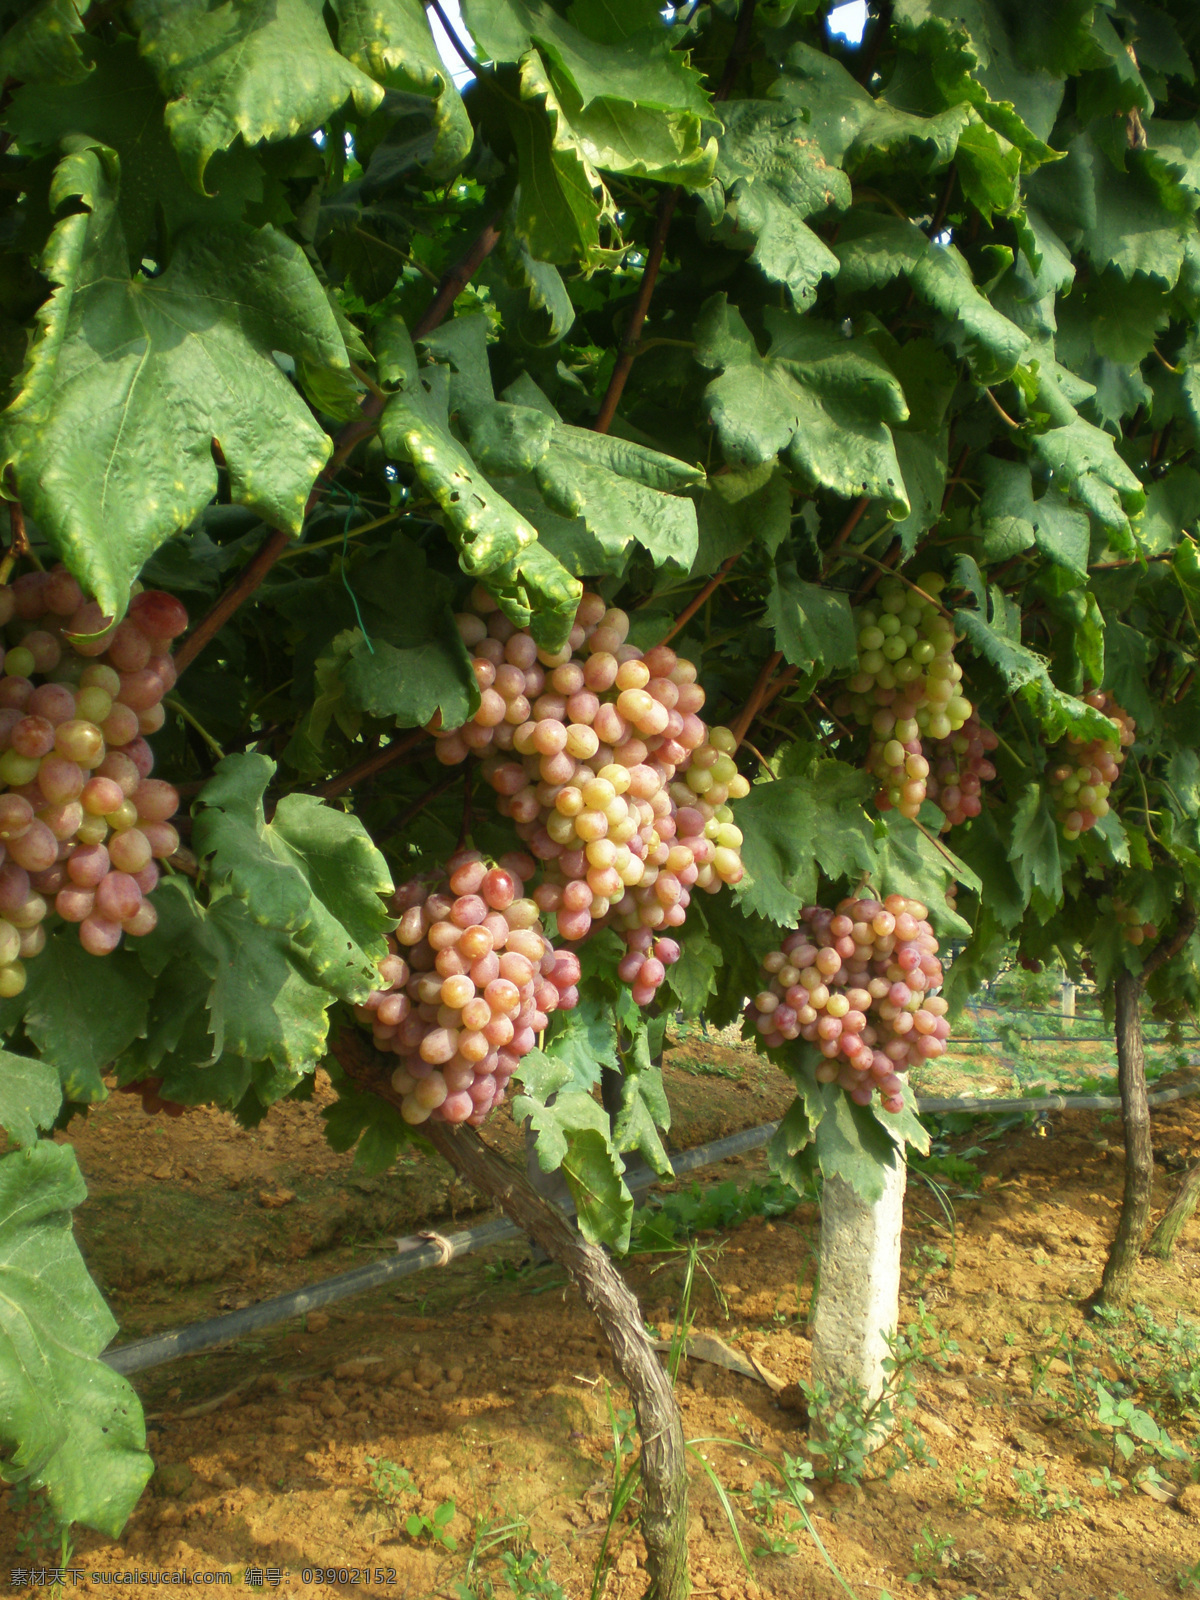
{"x": 348, "y": 1575}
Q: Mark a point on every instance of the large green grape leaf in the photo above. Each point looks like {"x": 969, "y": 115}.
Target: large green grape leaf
{"x": 623, "y": 492}
{"x": 874, "y": 248}
{"x": 43, "y": 44}
{"x": 625, "y": 103}
{"x": 311, "y": 874}
{"x": 562, "y": 211}
{"x": 131, "y": 380}
{"x": 1033, "y": 850}
{"x": 1133, "y": 231}
{"x": 390, "y": 40}
{"x": 1011, "y": 513}
{"x": 30, "y": 1095}
{"x": 531, "y": 294}
{"x": 262, "y": 1005}
{"x": 810, "y": 816}
{"x": 119, "y": 105}
{"x": 105, "y": 1013}
{"x": 573, "y": 1137}
{"x": 854, "y": 129}
{"x": 487, "y": 531}
{"x": 259, "y": 70}
{"x": 1025, "y": 673}
{"x": 813, "y": 624}
{"x": 1084, "y": 460}
{"x": 912, "y": 862}
{"x": 971, "y": 55}
{"x": 774, "y": 175}
{"x": 821, "y": 400}
{"x": 412, "y": 662}
{"x": 68, "y": 1423}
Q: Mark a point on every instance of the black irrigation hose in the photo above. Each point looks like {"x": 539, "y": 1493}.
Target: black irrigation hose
{"x": 412, "y": 1255}
{"x": 415, "y": 1253}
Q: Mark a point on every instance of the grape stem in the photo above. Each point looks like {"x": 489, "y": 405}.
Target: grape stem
{"x": 846, "y": 529}
{"x": 921, "y": 828}
{"x": 667, "y": 206}
{"x": 370, "y": 765}
{"x": 837, "y": 722}
{"x": 18, "y": 545}
{"x": 754, "y": 750}
{"x": 916, "y": 588}
{"x": 403, "y": 818}
{"x": 713, "y": 584}
{"x": 452, "y": 284}
{"x": 180, "y": 710}
{"x": 741, "y": 724}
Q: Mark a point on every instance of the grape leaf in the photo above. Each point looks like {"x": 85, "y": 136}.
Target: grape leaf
{"x": 573, "y": 1136}
{"x": 1033, "y": 845}
{"x": 774, "y": 175}
{"x": 1026, "y": 674}
{"x": 416, "y": 664}
{"x": 311, "y": 874}
{"x": 874, "y": 248}
{"x": 584, "y": 1040}
{"x": 119, "y": 105}
{"x": 390, "y": 41}
{"x": 820, "y": 399}
{"x": 262, "y": 70}
{"x": 692, "y": 979}
{"x": 794, "y": 824}
{"x": 68, "y": 1423}
{"x": 913, "y": 863}
{"x": 131, "y": 381}
{"x": 43, "y": 45}
{"x": 107, "y": 1009}
{"x": 1059, "y": 532}
{"x": 853, "y": 1146}
{"x": 856, "y": 130}
{"x": 791, "y": 1153}
{"x": 30, "y": 1096}
{"x": 741, "y": 507}
{"x": 813, "y": 625}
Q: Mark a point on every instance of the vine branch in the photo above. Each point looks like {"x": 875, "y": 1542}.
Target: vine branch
{"x": 666, "y": 210}
{"x": 713, "y": 584}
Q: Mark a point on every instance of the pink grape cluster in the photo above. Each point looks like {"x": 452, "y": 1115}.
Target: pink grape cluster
{"x": 82, "y": 823}
{"x": 598, "y": 754}
{"x": 907, "y": 685}
{"x": 1087, "y": 769}
{"x": 468, "y": 983}
{"x": 859, "y": 983}
{"x": 960, "y": 768}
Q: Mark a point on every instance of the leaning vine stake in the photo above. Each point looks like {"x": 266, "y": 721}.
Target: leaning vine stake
{"x": 766, "y": 560}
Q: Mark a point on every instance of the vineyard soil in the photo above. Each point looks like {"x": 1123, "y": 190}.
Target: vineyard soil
{"x": 263, "y": 1449}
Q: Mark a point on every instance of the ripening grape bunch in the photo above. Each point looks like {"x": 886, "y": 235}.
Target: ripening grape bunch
{"x": 908, "y": 685}
{"x": 1085, "y": 770}
{"x": 83, "y": 825}
{"x": 1133, "y": 929}
{"x": 469, "y": 981}
{"x": 959, "y": 768}
{"x": 598, "y": 754}
{"x": 858, "y": 982}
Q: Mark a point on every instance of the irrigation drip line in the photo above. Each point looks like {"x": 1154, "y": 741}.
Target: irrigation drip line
{"x": 416, "y": 1252}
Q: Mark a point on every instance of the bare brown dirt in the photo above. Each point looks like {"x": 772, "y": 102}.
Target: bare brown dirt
{"x": 488, "y": 1384}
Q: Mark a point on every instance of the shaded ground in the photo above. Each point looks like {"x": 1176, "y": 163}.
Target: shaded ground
{"x": 487, "y": 1385}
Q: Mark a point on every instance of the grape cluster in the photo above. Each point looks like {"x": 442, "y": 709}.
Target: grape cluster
{"x": 1133, "y": 929}
{"x": 599, "y": 756}
{"x": 467, "y": 985}
{"x": 907, "y": 685}
{"x": 1085, "y": 770}
{"x": 82, "y": 823}
{"x": 858, "y": 983}
{"x": 959, "y": 769}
